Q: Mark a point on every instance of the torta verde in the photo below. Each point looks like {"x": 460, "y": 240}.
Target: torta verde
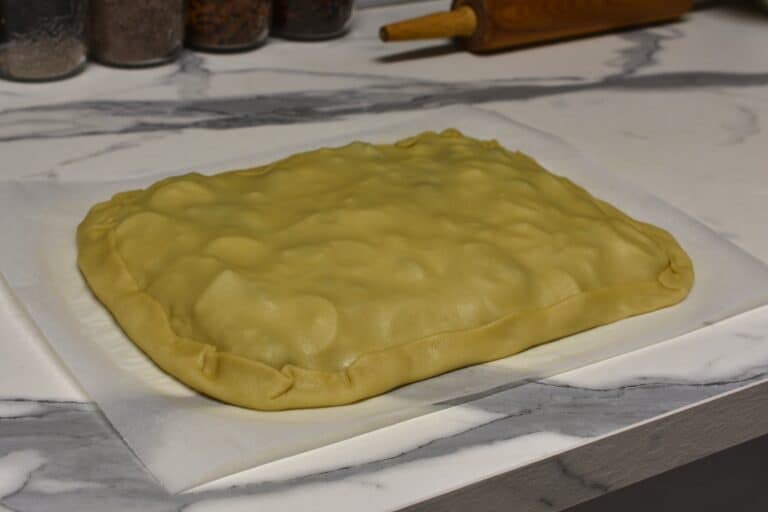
{"x": 339, "y": 274}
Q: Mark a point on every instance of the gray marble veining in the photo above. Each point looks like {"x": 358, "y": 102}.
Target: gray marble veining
{"x": 747, "y": 125}
{"x": 377, "y": 93}
{"x": 105, "y": 117}
{"x": 192, "y": 77}
{"x": 644, "y": 47}
{"x": 51, "y": 443}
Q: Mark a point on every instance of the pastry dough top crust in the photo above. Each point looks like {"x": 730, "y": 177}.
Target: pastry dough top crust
{"x": 337, "y": 274}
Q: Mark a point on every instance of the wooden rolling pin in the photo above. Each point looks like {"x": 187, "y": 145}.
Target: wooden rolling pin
{"x": 488, "y": 25}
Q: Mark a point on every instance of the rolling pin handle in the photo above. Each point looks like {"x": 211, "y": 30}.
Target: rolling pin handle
{"x": 461, "y": 22}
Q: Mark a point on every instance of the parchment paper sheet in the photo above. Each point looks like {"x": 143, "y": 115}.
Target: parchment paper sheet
{"x": 185, "y": 439}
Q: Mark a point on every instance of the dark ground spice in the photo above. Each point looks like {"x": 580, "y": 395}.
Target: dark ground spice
{"x": 42, "y": 39}
{"x": 136, "y": 32}
{"x": 227, "y": 24}
{"x": 311, "y": 19}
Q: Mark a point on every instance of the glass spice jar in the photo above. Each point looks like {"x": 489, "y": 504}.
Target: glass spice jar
{"x": 311, "y": 19}
{"x": 227, "y": 25}
{"x": 136, "y": 32}
{"x": 42, "y": 39}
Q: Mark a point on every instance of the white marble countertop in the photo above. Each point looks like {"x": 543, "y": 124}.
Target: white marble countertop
{"x": 676, "y": 109}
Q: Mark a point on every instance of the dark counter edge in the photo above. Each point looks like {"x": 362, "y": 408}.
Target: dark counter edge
{"x": 618, "y": 460}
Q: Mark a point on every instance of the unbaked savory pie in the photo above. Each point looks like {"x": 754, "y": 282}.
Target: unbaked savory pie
{"x": 338, "y": 274}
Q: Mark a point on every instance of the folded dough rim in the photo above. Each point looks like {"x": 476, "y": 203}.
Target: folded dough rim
{"x": 249, "y": 383}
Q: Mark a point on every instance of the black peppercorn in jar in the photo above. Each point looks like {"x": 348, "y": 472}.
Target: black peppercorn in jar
{"x": 42, "y": 39}
{"x": 136, "y": 32}
{"x": 227, "y": 25}
{"x": 311, "y": 19}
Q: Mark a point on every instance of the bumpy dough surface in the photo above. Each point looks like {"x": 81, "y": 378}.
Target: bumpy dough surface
{"x": 338, "y": 274}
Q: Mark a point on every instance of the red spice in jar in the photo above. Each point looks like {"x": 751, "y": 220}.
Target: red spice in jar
{"x": 227, "y": 24}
